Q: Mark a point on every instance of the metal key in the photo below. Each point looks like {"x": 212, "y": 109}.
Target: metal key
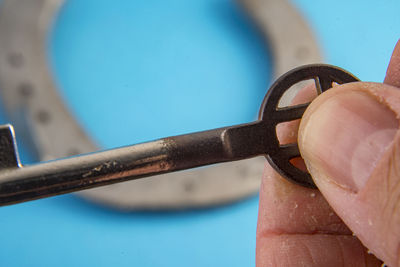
{"x": 23, "y": 183}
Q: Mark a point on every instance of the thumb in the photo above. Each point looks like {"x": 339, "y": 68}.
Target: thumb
{"x": 350, "y": 140}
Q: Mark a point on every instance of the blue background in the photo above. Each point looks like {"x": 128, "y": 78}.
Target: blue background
{"x": 133, "y": 71}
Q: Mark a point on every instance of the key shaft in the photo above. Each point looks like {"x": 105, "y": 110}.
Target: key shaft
{"x": 23, "y": 183}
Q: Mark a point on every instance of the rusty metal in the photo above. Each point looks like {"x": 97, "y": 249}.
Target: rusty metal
{"x": 19, "y": 184}
{"x": 38, "y": 113}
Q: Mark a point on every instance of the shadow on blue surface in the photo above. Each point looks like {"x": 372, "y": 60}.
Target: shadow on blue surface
{"x": 77, "y": 204}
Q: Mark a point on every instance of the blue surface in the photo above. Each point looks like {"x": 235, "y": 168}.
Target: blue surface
{"x": 137, "y": 70}
{"x": 162, "y": 67}
{"x": 356, "y": 35}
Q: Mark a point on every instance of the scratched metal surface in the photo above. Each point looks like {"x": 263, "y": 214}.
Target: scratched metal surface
{"x": 66, "y": 231}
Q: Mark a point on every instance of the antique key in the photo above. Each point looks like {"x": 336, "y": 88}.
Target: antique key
{"x": 23, "y": 183}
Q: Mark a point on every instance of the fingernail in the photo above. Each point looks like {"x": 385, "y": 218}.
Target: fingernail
{"x": 345, "y": 136}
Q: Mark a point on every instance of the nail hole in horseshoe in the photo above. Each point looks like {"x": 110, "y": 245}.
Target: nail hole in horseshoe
{"x": 72, "y": 152}
{"x": 25, "y": 89}
{"x": 16, "y": 60}
{"x": 189, "y": 186}
{"x": 43, "y": 117}
{"x": 302, "y": 52}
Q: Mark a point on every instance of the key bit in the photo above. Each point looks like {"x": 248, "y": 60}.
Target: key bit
{"x": 23, "y": 183}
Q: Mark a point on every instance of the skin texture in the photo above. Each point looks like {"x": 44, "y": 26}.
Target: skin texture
{"x": 350, "y": 141}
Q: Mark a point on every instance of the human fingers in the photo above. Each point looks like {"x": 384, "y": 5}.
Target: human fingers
{"x": 350, "y": 140}
{"x": 296, "y": 226}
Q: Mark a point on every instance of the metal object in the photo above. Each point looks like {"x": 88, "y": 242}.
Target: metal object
{"x": 38, "y": 113}
{"x": 19, "y": 184}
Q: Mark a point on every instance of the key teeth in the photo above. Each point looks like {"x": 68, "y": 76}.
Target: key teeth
{"x": 8, "y": 148}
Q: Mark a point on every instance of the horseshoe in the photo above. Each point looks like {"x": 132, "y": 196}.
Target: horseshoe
{"x": 31, "y": 100}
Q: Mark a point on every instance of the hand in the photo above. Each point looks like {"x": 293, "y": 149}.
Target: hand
{"x": 350, "y": 140}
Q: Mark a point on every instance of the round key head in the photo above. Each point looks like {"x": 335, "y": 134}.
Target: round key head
{"x": 278, "y": 155}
